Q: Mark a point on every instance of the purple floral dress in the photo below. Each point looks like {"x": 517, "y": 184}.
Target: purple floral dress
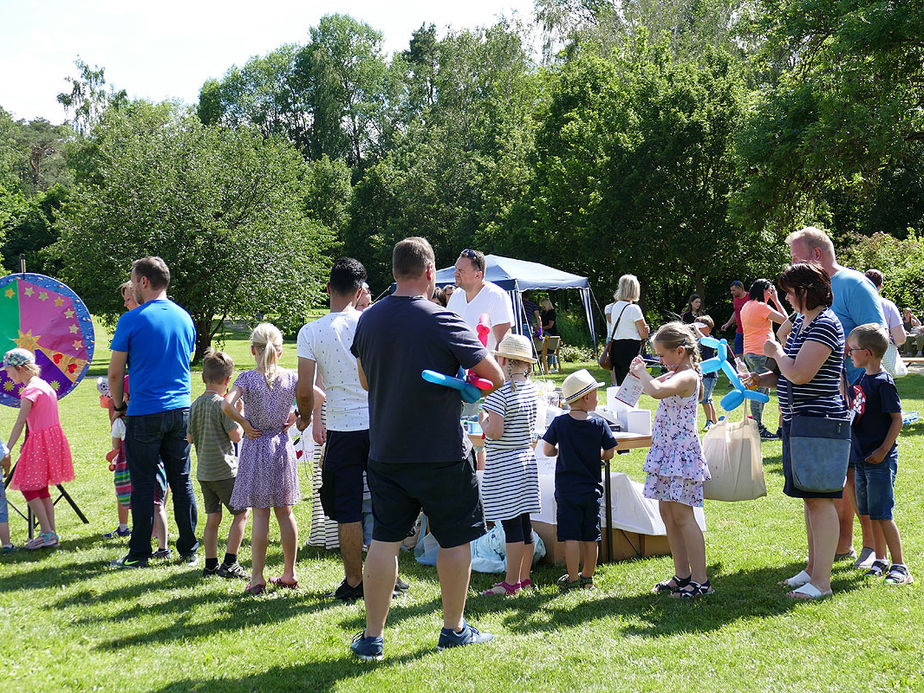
{"x": 267, "y": 472}
{"x": 675, "y": 464}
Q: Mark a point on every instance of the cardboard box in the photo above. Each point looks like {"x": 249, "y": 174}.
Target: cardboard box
{"x": 626, "y": 545}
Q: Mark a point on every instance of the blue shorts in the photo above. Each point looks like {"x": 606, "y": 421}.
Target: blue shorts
{"x": 578, "y": 517}
{"x": 876, "y": 487}
{"x": 739, "y": 344}
{"x": 709, "y": 382}
{"x": 345, "y": 459}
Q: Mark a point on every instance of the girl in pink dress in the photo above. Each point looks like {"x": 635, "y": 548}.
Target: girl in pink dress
{"x": 45, "y": 458}
{"x": 675, "y": 464}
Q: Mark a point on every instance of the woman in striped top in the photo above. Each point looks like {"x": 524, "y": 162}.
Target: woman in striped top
{"x": 809, "y": 385}
{"x": 510, "y": 487}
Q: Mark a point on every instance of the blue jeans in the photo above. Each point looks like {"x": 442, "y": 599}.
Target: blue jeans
{"x": 757, "y": 363}
{"x": 150, "y": 439}
{"x": 876, "y": 486}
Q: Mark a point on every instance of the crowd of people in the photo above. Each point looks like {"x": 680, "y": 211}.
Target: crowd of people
{"x": 360, "y": 364}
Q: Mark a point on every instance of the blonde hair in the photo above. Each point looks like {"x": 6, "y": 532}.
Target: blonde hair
{"x": 266, "y": 339}
{"x": 812, "y": 237}
{"x": 675, "y": 334}
{"x": 872, "y": 336}
{"x": 31, "y": 368}
{"x": 546, "y": 303}
{"x": 629, "y": 288}
{"x": 509, "y": 371}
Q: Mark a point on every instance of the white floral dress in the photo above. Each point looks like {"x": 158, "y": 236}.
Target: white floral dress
{"x": 675, "y": 464}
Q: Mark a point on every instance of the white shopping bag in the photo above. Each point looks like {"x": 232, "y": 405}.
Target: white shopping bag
{"x": 732, "y": 451}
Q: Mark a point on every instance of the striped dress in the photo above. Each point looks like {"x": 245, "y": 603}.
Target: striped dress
{"x": 510, "y": 486}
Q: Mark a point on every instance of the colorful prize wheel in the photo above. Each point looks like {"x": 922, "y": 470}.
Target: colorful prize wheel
{"x": 43, "y": 315}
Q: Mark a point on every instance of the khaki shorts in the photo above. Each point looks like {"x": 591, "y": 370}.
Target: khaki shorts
{"x": 218, "y": 493}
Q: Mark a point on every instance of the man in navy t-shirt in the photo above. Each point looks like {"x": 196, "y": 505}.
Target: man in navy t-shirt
{"x": 155, "y": 341}
{"x": 416, "y": 458}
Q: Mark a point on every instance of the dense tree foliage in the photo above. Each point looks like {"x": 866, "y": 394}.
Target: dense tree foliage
{"x": 222, "y": 207}
{"x": 679, "y": 140}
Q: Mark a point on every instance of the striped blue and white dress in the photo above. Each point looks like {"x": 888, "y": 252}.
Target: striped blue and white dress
{"x": 510, "y": 486}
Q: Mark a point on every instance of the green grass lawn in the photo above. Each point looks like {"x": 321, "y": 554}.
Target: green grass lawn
{"x": 68, "y": 622}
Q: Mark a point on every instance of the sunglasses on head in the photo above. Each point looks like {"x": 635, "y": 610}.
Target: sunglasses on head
{"x": 469, "y": 253}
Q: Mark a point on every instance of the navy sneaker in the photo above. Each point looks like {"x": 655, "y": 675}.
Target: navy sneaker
{"x": 468, "y": 636}
{"x": 128, "y": 562}
{"x": 368, "y": 649}
{"x": 118, "y": 533}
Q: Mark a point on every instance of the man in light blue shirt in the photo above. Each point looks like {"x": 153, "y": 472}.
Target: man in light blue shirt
{"x": 856, "y": 302}
{"x": 155, "y": 341}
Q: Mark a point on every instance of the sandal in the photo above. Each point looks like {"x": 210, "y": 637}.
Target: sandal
{"x": 502, "y": 587}
{"x": 254, "y": 590}
{"x": 279, "y": 582}
{"x": 898, "y": 575}
{"x": 877, "y": 569}
{"x": 565, "y": 585}
{"x": 666, "y": 586}
{"x": 692, "y": 589}
{"x": 808, "y": 592}
{"x": 587, "y": 583}
{"x": 526, "y": 584}
{"x": 797, "y": 580}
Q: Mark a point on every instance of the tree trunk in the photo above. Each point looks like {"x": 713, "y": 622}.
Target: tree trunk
{"x": 203, "y": 327}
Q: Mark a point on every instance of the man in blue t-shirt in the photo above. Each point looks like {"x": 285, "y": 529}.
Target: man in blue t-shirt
{"x": 856, "y": 302}
{"x": 416, "y": 457}
{"x": 155, "y": 341}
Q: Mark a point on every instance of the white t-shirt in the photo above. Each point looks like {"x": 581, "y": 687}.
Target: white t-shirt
{"x": 626, "y": 329}
{"x": 492, "y": 300}
{"x": 892, "y": 315}
{"x": 327, "y": 341}
{"x": 118, "y": 428}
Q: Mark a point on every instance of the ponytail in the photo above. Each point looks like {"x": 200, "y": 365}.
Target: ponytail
{"x": 266, "y": 339}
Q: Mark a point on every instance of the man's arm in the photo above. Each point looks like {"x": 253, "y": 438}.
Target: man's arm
{"x": 500, "y": 331}
{"x": 486, "y": 368}
{"x": 304, "y": 391}
{"x": 116, "y": 379}
{"x": 362, "y": 375}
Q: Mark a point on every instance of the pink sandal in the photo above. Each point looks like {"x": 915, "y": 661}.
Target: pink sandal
{"x": 279, "y": 582}
{"x": 502, "y": 588}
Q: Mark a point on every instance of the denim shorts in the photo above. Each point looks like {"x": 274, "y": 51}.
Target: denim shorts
{"x": 709, "y": 382}
{"x": 876, "y": 487}
{"x": 739, "y": 344}
{"x": 4, "y": 513}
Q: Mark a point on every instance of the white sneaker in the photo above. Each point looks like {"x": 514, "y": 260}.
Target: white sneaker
{"x": 865, "y": 559}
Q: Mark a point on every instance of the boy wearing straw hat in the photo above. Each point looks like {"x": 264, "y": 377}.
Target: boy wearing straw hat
{"x": 581, "y": 442}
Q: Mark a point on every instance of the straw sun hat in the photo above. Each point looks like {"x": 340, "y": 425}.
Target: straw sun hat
{"x": 517, "y": 347}
{"x": 578, "y": 384}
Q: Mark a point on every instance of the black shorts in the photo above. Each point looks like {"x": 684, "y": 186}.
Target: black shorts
{"x": 345, "y": 459}
{"x": 446, "y": 491}
{"x": 578, "y": 517}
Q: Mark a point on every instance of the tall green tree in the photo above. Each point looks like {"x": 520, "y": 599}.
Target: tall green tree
{"x": 222, "y": 207}
{"x": 840, "y": 104}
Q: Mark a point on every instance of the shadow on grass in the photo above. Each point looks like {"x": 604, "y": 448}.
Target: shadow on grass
{"x": 309, "y": 675}
{"x": 745, "y": 594}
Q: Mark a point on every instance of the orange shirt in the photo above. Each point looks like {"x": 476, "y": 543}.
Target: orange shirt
{"x": 757, "y": 326}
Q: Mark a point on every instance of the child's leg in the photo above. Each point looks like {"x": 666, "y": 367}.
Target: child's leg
{"x": 236, "y": 533}
{"x": 589, "y": 554}
{"x": 674, "y": 540}
{"x": 288, "y": 534}
{"x": 259, "y": 539}
{"x": 123, "y": 514}
{"x": 4, "y": 533}
{"x": 880, "y": 546}
{"x": 892, "y": 539}
{"x": 526, "y": 560}
{"x": 36, "y": 503}
{"x": 49, "y": 512}
{"x": 573, "y": 560}
{"x": 515, "y": 551}
{"x": 210, "y": 534}
{"x": 710, "y": 412}
{"x": 692, "y": 540}
{"x": 160, "y": 524}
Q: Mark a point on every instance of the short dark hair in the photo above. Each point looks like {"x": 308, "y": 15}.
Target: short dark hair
{"x": 409, "y": 257}
{"x": 347, "y": 276}
{"x": 758, "y": 286}
{"x": 217, "y": 366}
{"x": 736, "y": 283}
{"x": 872, "y": 336}
{"x": 155, "y": 269}
{"x": 476, "y": 257}
{"x": 875, "y": 276}
{"x": 809, "y": 282}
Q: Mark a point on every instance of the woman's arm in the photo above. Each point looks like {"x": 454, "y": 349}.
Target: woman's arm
{"x": 642, "y": 327}
{"x": 805, "y": 366}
